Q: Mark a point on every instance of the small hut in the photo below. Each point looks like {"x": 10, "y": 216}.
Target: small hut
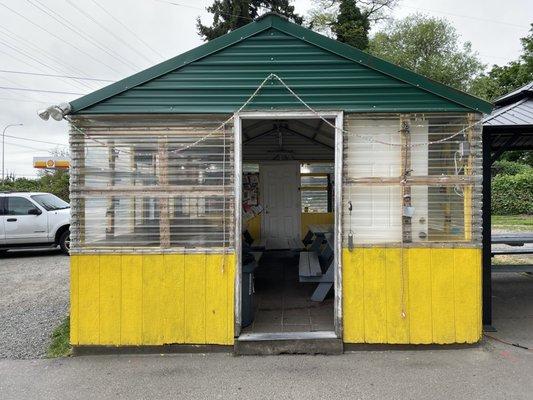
{"x": 356, "y": 181}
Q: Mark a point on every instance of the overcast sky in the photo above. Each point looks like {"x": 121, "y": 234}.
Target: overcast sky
{"x": 78, "y": 38}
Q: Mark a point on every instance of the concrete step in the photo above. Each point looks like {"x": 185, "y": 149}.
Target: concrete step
{"x": 288, "y": 343}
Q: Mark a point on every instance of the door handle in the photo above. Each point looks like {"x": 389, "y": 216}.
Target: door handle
{"x": 11, "y": 219}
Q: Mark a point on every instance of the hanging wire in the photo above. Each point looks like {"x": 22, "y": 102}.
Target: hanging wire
{"x": 318, "y": 115}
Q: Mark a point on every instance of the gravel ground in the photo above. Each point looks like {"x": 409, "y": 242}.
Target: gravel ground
{"x": 34, "y": 299}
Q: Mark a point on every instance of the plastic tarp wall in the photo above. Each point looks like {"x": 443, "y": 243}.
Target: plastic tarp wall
{"x": 136, "y": 183}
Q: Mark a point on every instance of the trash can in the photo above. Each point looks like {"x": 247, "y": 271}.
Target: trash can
{"x": 247, "y": 305}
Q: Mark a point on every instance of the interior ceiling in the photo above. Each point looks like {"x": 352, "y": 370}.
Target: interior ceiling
{"x": 288, "y": 139}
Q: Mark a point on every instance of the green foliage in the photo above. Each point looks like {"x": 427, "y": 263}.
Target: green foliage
{"x": 60, "y": 345}
{"x": 429, "y": 46}
{"x": 513, "y": 194}
{"x": 520, "y": 156}
{"x": 348, "y": 21}
{"x": 55, "y": 182}
{"x": 505, "y": 167}
{"x": 351, "y": 26}
{"x": 229, "y": 15}
{"x": 501, "y": 80}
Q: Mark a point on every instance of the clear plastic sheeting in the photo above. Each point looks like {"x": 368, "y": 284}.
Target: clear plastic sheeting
{"x": 404, "y": 187}
{"x": 163, "y": 184}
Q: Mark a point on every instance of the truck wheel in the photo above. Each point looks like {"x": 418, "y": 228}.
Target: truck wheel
{"x": 64, "y": 242}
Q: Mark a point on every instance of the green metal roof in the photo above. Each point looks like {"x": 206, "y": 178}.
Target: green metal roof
{"x": 220, "y": 75}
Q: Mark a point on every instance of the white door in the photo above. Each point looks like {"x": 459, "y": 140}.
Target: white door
{"x": 24, "y": 222}
{"x": 280, "y": 184}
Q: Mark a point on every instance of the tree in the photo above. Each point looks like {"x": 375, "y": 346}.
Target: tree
{"x": 429, "y": 46}
{"x": 504, "y": 79}
{"x": 229, "y": 15}
{"x": 348, "y": 21}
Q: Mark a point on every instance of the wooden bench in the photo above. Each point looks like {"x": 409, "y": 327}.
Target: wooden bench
{"x": 310, "y": 270}
{"x": 309, "y": 265}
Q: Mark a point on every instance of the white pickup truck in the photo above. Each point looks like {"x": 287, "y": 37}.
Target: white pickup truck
{"x": 32, "y": 219}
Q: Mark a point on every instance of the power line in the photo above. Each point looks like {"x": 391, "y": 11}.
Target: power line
{"x": 36, "y": 140}
{"x": 173, "y": 3}
{"x": 105, "y": 28}
{"x": 19, "y": 51}
{"x": 65, "y": 23}
{"x": 55, "y": 76}
{"x": 467, "y": 16}
{"x": 140, "y": 39}
{"x": 52, "y": 57}
{"x": 61, "y": 39}
{"x": 40, "y": 91}
{"x": 23, "y": 100}
{"x": 27, "y": 147}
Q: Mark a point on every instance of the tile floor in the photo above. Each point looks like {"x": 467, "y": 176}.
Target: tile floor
{"x": 282, "y": 303}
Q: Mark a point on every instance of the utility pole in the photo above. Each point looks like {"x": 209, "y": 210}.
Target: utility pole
{"x": 4, "y": 148}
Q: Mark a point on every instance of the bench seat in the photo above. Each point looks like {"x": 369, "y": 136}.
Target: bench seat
{"x": 309, "y": 265}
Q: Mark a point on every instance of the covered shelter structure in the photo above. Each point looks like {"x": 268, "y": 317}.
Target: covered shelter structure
{"x": 509, "y": 127}
{"x": 357, "y": 180}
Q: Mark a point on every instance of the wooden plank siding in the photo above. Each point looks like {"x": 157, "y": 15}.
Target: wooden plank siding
{"x": 441, "y": 295}
{"x": 152, "y": 299}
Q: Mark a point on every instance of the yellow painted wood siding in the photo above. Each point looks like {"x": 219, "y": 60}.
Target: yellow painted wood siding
{"x": 440, "y": 294}
{"x": 152, "y": 299}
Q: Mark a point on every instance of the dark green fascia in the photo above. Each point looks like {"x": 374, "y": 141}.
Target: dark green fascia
{"x": 170, "y": 65}
{"x": 341, "y": 49}
{"x": 385, "y": 67}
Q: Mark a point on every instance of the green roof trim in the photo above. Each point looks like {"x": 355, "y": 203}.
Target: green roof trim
{"x": 282, "y": 25}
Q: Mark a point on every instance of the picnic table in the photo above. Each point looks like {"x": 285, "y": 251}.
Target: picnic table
{"x": 316, "y": 234}
{"x": 313, "y": 262}
{"x": 513, "y": 240}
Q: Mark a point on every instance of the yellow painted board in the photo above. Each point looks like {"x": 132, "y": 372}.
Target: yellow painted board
{"x": 195, "y": 297}
{"x": 442, "y": 295}
{"x": 74, "y": 296}
{"x": 109, "y": 298}
{"x": 131, "y": 316}
{"x": 352, "y": 298}
{"x": 88, "y": 300}
{"x": 375, "y": 304}
{"x": 396, "y": 292}
{"x": 467, "y": 297}
{"x": 173, "y": 301}
{"x": 230, "y": 298}
{"x": 216, "y": 305}
{"x": 419, "y": 296}
{"x": 153, "y": 299}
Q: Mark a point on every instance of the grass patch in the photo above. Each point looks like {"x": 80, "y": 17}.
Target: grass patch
{"x": 60, "y": 346}
{"x": 516, "y": 223}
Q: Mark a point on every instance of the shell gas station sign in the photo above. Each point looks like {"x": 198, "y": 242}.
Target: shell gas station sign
{"x": 51, "y": 163}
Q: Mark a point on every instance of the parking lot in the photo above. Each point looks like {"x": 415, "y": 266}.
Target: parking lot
{"x": 33, "y": 301}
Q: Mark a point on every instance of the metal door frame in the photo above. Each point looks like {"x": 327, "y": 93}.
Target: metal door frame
{"x": 238, "y": 117}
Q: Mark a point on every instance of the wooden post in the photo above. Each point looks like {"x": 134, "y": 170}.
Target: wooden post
{"x": 164, "y": 213}
{"x": 468, "y": 190}
{"x": 405, "y": 170}
{"x": 110, "y": 213}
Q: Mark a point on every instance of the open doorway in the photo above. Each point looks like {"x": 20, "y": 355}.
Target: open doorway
{"x": 289, "y": 278}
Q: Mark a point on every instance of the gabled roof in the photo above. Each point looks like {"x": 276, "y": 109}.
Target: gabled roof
{"x": 273, "y": 22}
{"x": 520, "y": 93}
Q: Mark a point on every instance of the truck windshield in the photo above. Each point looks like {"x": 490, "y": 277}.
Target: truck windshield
{"x": 50, "y": 202}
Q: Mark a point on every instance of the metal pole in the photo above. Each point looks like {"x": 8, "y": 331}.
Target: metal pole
{"x": 4, "y": 147}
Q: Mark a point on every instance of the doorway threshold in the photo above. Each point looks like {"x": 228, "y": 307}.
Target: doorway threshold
{"x": 319, "y": 342}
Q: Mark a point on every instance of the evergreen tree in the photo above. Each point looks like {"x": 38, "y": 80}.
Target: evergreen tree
{"x": 229, "y": 15}
{"x": 351, "y": 26}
